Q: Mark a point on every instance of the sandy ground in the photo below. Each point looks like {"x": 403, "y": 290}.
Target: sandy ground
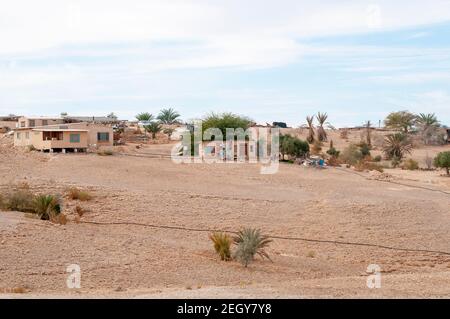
{"x": 128, "y": 261}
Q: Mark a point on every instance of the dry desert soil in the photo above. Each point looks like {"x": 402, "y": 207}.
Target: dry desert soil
{"x": 338, "y": 223}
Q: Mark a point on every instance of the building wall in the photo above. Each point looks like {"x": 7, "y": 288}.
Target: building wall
{"x": 65, "y": 143}
{"x": 10, "y": 124}
{"x": 22, "y": 137}
{"x": 25, "y": 122}
{"x": 94, "y": 129}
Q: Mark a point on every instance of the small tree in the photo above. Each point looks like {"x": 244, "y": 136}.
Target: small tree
{"x": 402, "y": 120}
{"x": 442, "y": 160}
{"x": 311, "y": 132}
{"x": 154, "y": 128}
{"x": 293, "y": 146}
{"x": 249, "y": 243}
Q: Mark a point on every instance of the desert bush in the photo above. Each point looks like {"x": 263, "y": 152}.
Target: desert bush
{"x": 351, "y": 155}
{"x": 77, "y": 194}
{"x": 222, "y": 244}
{"x": 368, "y": 166}
{"x": 293, "y": 146}
{"x": 79, "y": 211}
{"x": 442, "y": 160}
{"x": 377, "y": 158}
{"x": 31, "y": 148}
{"x": 20, "y": 200}
{"x": 316, "y": 147}
{"x": 332, "y": 151}
{"x": 60, "y": 219}
{"x": 364, "y": 148}
{"x": 410, "y": 165}
{"x": 105, "y": 152}
{"x": 249, "y": 243}
{"x": 334, "y": 161}
{"x": 47, "y": 207}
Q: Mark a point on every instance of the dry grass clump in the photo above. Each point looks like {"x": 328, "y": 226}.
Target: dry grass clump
{"x": 79, "y": 211}
{"x": 77, "y": 194}
{"x": 60, "y": 219}
{"x": 105, "y": 153}
{"x": 20, "y": 200}
{"x": 222, "y": 244}
{"x": 368, "y": 166}
{"x": 410, "y": 165}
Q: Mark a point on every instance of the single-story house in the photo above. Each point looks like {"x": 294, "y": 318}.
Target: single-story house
{"x": 65, "y": 137}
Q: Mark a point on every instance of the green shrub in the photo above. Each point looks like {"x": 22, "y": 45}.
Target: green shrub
{"x": 364, "y": 148}
{"x": 442, "y": 160}
{"x": 47, "y": 207}
{"x": 293, "y": 146}
{"x": 222, "y": 244}
{"x": 333, "y": 152}
{"x": 411, "y": 165}
{"x": 249, "y": 243}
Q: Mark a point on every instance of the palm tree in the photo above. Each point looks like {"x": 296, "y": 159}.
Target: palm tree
{"x": 321, "y": 134}
{"x": 397, "y": 146}
{"x": 47, "y": 206}
{"x": 427, "y": 120}
{"x": 145, "y": 117}
{"x": 168, "y": 116}
{"x": 310, "y": 126}
{"x": 368, "y": 126}
{"x": 250, "y": 242}
{"x": 154, "y": 128}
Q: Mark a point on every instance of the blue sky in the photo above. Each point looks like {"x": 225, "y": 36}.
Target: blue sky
{"x": 270, "y": 60}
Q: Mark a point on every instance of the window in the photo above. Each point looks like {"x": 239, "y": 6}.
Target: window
{"x": 103, "y": 137}
{"x": 44, "y": 122}
{"x": 22, "y": 124}
{"x": 27, "y": 135}
{"x": 18, "y": 136}
{"x": 74, "y": 138}
{"x": 32, "y": 123}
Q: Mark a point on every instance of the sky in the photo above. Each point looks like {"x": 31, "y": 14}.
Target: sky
{"x": 278, "y": 60}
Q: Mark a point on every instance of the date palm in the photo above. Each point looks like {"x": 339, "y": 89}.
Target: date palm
{"x": 168, "y": 116}
{"x": 427, "y": 120}
{"x": 145, "y": 117}
{"x": 321, "y": 133}
{"x": 153, "y": 128}
{"x": 249, "y": 243}
{"x": 311, "y": 133}
{"x": 397, "y": 146}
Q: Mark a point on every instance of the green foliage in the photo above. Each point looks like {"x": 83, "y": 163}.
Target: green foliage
{"x": 222, "y": 244}
{"x": 293, "y": 146}
{"x": 168, "y": 116}
{"x": 333, "y": 152}
{"x": 402, "y": 120}
{"x": 442, "y": 160}
{"x": 249, "y": 243}
{"x": 427, "y": 120}
{"x": 225, "y": 120}
{"x": 144, "y": 116}
{"x": 351, "y": 155}
{"x": 364, "y": 149}
{"x": 154, "y": 128}
{"x": 47, "y": 206}
{"x": 397, "y": 145}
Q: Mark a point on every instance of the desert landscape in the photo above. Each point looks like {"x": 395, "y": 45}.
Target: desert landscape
{"x": 142, "y": 231}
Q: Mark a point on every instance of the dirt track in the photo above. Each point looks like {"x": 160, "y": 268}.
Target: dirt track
{"x": 131, "y": 261}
